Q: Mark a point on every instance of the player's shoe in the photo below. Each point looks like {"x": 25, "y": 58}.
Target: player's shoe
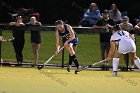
{"x": 69, "y": 68}
{"x": 106, "y": 67}
{"x": 78, "y": 69}
{"x": 103, "y": 67}
{"x": 131, "y": 67}
{"x": 115, "y": 73}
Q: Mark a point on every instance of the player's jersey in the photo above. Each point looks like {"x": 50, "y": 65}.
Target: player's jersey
{"x": 65, "y": 34}
{"x": 123, "y": 41}
{"x": 118, "y": 35}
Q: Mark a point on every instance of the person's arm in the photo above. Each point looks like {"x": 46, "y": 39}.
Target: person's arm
{"x": 85, "y": 16}
{"x": 72, "y": 35}
{"x": 57, "y": 41}
{"x": 97, "y": 15}
{"x": 97, "y": 26}
{"x": 111, "y": 24}
{"x": 137, "y": 28}
{"x": 112, "y": 50}
{"x": 132, "y": 36}
{"x": 39, "y": 24}
{"x": 119, "y": 16}
{"x": 1, "y": 38}
{"x": 12, "y": 23}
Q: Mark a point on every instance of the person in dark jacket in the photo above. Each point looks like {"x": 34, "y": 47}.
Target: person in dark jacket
{"x": 19, "y": 40}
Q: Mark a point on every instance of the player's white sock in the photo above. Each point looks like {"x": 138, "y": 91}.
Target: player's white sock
{"x": 115, "y": 64}
{"x": 137, "y": 62}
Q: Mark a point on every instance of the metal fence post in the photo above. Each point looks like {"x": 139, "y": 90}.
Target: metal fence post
{"x": 63, "y": 57}
{"x": 0, "y": 45}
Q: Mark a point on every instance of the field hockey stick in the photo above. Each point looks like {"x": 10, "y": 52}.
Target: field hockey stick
{"x": 46, "y": 62}
{"x": 99, "y": 62}
{"x": 96, "y": 63}
{"x": 8, "y": 40}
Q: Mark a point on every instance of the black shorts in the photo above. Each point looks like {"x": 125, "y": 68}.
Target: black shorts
{"x": 35, "y": 37}
{"x": 36, "y": 42}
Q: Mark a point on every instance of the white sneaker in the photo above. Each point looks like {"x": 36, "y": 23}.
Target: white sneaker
{"x": 131, "y": 66}
{"x": 115, "y": 73}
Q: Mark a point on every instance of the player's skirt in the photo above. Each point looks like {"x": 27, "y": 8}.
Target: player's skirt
{"x": 126, "y": 46}
{"x": 74, "y": 42}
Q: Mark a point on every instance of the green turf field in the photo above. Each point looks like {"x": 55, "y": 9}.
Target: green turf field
{"x": 88, "y": 50}
{"x": 51, "y": 80}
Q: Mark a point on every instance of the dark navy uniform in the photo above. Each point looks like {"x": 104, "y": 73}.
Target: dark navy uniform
{"x": 66, "y": 35}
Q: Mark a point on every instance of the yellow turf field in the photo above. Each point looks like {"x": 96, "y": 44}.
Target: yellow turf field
{"x": 51, "y": 80}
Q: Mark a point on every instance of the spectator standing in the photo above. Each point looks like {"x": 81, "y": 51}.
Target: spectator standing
{"x": 105, "y": 25}
{"x": 19, "y": 40}
{"x": 127, "y": 26}
{"x": 35, "y": 37}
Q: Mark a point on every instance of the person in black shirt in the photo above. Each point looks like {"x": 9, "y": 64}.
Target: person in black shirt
{"x": 105, "y": 25}
{"x": 19, "y": 40}
{"x": 35, "y": 37}
{"x": 70, "y": 41}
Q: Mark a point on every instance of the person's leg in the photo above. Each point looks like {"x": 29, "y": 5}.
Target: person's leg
{"x": 107, "y": 49}
{"x": 35, "y": 52}
{"x": 106, "y": 54}
{"x": 115, "y": 62}
{"x": 126, "y": 59}
{"x": 74, "y": 46}
{"x": 16, "y": 48}
{"x": 135, "y": 59}
{"x": 70, "y": 61}
{"x": 102, "y": 46}
{"x": 73, "y": 56}
{"x": 132, "y": 65}
{"x": 19, "y": 51}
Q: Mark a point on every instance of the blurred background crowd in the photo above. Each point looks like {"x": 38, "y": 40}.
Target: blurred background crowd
{"x": 71, "y": 11}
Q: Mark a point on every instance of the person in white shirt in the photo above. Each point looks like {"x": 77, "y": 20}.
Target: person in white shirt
{"x": 121, "y": 42}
